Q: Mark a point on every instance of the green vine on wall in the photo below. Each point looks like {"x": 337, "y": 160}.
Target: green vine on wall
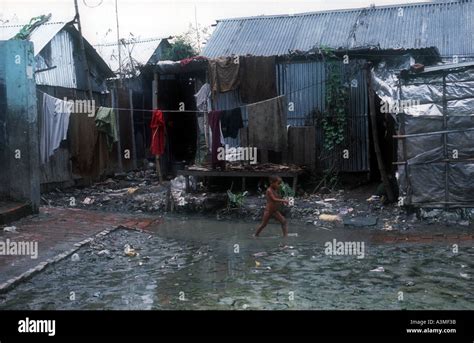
{"x": 334, "y": 119}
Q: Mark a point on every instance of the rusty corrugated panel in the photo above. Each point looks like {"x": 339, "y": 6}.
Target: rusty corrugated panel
{"x": 60, "y": 54}
{"x": 304, "y": 83}
{"x": 447, "y": 26}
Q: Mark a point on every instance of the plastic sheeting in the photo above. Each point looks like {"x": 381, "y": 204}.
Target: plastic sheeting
{"x": 437, "y": 120}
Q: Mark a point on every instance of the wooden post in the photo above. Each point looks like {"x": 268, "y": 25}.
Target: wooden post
{"x": 132, "y": 124}
{"x": 115, "y": 102}
{"x": 155, "y": 106}
{"x": 375, "y": 137}
{"x": 83, "y": 52}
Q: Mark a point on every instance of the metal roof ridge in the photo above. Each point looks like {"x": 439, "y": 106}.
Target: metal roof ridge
{"x": 347, "y": 10}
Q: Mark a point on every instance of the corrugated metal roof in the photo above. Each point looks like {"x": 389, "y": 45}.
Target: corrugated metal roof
{"x": 447, "y": 25}
{"x": 40, "y": 37}
{"x": 59, "y": 36}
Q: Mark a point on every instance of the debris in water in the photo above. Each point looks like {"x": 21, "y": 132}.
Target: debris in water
{"x": 75, "y": 257}
{"x": 10, "y": 229}
{"x": 129, "y": 251}
{"x": 464, "y": 275}
{"x": 257, "y": 264}
{"x": 88, "y": 201}
{"x": 293, "y": 235}
{"x": 378, "y": 269}
{"x": 330, "y": 218}
{"x": 132, "y": 190}
{"x": 260, "y": 254}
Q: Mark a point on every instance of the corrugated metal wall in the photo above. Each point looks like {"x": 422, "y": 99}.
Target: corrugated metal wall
{"x": 63, "y": 55}
{"x": 58, "y": 53}
{"x": 304, "y": 83}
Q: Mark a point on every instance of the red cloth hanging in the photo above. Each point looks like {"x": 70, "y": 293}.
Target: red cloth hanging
{"x": 157, "y": 126}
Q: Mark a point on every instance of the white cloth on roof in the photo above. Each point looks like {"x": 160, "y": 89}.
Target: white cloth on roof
{"x": 54, "y": 125}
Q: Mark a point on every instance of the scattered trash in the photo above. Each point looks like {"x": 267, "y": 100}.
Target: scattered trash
{"x": 129, "y": 251}
{"x": 257, "y": 264}
{"x": 179, "y": 183}
{"x": 75, "y": 257}
{"x": 330, "y": 218}
{"x": 374, "y": 198}
{"x": 104, "y": 252}
{"x": 132, "y": 190}
{"x": 345, "y": 210}
{"x": 97, "y": 294}
{"x": 464, "y": 275}
{"x": 88, "y": 201}
{"x": 260, "y": 254}
{"x": 293, "y": 234}
{"x": 330, "y": 199}
{"x": 10, "y": 229}
{"x": 378, "y": 270}
{"x": 291, "y": 201}
{"x": 268, "y": 268}
{"x": 141, "y": 264}
{"x": 410, "y": 283}
{"x": 245, "y": 306}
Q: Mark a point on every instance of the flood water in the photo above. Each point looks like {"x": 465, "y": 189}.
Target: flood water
{"x": 207, "y": 264}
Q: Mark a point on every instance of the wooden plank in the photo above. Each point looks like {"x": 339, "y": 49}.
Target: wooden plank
{"x": 237, "y": 173}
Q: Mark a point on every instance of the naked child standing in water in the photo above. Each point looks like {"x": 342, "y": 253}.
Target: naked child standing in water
{"x": 273, "y": 206}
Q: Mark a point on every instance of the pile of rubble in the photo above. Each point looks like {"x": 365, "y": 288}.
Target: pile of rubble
{"x": 133, "y": 192}
{"x": 141, "y": 192}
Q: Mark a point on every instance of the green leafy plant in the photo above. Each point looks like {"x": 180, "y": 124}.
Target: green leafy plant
{"x": 180, "y": 49}
{"x": 286, "y": 191}
{"x": 334, "y": 119}
{"x": 236, "y": 200}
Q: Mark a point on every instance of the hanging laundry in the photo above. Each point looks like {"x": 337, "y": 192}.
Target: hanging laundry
{"x": 267, "y": 124}
{"x": 219, "y": 133}
{"x": 257, "y": 78}
{"x": 215, "y": 128}
{"x": 224, "y": 74}
{"x": 106, "y": 122}
{"x": 54, "y": 125}
{"x": 232, "y": 122}
{"x": 157, "y": 126}
{"x": 82, "y": 137}
{"x": 188, "y": 60}
{"x": 203, "y": 98}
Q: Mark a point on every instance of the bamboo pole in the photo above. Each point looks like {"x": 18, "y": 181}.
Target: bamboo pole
{"x": 155, "y": 106}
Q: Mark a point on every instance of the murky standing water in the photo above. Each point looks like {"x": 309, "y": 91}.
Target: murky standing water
{"x": 207, "y": 264}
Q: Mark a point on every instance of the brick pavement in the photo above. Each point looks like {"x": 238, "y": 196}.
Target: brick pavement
{"x": 58, "y": 230}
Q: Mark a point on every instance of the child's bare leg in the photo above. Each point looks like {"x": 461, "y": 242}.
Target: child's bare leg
{"x": 265, "y": 219}
{"x": 284, "y": 224}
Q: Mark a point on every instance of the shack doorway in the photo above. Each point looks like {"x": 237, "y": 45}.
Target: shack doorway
{"x": 176, "y": 98}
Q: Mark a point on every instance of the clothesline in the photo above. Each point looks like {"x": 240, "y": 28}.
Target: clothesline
{"x": 197, "y": 111}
